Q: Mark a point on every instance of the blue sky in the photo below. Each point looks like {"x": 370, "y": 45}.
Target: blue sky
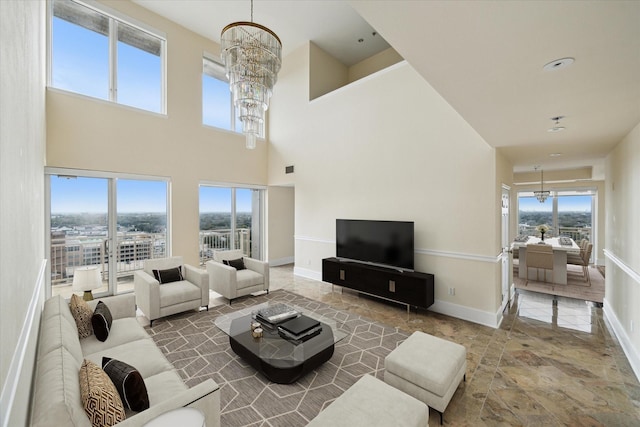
{"x": 81, "y": 65}
{"x": 565, "y": 203}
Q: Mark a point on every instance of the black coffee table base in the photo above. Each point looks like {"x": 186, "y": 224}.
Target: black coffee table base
{"x": 278, "y": 370}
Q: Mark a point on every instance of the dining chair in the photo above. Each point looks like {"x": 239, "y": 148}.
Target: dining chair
{"x": 576, "y": 259}
{"x": 539, "y": 257}
{"x": 583, "y": 261}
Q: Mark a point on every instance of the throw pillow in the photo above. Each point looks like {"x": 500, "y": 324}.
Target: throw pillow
{"x": 238, "y": 264}
{"x": 101, "y": 321}
{"x": 169, "y": 275}
{"x": 128, "y": 382}
{"x": 82, "y": 315}
{"x": 100, "y": 398}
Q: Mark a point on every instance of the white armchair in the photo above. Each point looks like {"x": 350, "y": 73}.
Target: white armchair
{"x": 232, "y": 283}
{"x": 158, "y": 300}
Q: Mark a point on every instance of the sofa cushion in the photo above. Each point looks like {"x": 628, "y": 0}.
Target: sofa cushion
{"x": 178, "y": 292}
{"x": 122, "y": 331}
{"x": 247, "y": 278}
{"x": 169, "y": 275}
{"x": 57, "y": 305}
{"x": 164, "y": 386}
{"x": 59, "y": 332}
{"x": 128, "y": 382}
{"x": 238, "y": 264}
{"x": 57, "y": 391}
{"x": 101, "y": 321}
{"x": 143, "y": 354}
{"x": 82, "y": 315}
{"x": 99, "y": 396}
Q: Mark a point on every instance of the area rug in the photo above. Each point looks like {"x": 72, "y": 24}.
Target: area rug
{"x": 199, "y": 350}
{"x": 576, "y": 286}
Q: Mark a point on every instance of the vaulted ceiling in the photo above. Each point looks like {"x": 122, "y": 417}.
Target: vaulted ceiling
{"x": 485, "y": 58}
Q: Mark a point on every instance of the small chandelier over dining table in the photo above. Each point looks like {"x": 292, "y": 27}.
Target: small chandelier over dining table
{"x": 252, "y": 56}
{"x": 541, "y": 194}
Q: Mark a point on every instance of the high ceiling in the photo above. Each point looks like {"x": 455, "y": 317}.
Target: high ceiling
{"x": 485, "y": 58}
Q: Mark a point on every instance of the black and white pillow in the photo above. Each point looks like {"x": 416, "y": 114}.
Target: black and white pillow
{"x": 128, "y": 382}
{"x": 238, "y": 264}
{"x": 169, "y": 275}
{"x": 101, "y": 321}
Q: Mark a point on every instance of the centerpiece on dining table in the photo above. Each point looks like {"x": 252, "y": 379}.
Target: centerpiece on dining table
{"x": 543, "y": 228}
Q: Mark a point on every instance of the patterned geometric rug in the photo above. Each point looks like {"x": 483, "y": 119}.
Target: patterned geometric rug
{"x": 199, "y": 350}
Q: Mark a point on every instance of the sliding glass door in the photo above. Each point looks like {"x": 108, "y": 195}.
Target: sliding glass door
{"x": 107, "y": 222}
{"x": 231, "y": 218}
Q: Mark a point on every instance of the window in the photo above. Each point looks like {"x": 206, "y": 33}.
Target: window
{"x": 567, "y": 212}
{"x": 231, "y": 218}
{"x": 217, "y": 101}
{"x": 110, "y": 221}
{"x": 94, "y": 52}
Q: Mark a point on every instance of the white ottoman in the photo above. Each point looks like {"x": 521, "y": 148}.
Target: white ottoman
{"x": 428, "y": 368}
{"x": 371, "y": 402}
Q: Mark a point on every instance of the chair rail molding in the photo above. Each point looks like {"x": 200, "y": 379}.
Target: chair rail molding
{"x": 10, "y": 386}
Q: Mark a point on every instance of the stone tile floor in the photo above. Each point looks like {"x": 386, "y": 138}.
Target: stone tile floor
{"x": 553, "y": 361}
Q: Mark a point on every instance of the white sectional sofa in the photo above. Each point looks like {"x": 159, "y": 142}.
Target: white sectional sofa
{"x": 57, "y": 401}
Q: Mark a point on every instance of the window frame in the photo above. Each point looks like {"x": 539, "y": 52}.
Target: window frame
{"x": 114, "y": 17}
{"x": 219, "y": 73}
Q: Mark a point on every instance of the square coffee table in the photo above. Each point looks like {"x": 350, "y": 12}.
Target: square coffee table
{"x": 281, "y": 360}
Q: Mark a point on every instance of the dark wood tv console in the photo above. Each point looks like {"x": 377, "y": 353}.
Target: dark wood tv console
{"x": 410, "y": 288}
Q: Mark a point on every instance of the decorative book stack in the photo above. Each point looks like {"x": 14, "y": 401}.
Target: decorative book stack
{"x": 300, "y": 329}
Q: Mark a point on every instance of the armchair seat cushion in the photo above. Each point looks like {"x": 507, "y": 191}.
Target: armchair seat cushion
{"x": 178, "y": 292}
{"x": 248, "y": 278}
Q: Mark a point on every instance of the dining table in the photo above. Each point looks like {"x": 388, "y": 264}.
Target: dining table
{"x": 561, "y": 247}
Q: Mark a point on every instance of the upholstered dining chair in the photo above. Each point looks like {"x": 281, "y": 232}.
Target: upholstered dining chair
{"x": 167, "y": 286}
{"x": 233, "y": 275}
{"x": 583, "y": 261}
{"x": 539, "y": 257}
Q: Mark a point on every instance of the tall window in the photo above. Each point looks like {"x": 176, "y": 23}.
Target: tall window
{"x": 217, "y": 101}
{"x": 94, "y": 52}
{"x": 231, "y": 218}
{"x": 104, "y": 221}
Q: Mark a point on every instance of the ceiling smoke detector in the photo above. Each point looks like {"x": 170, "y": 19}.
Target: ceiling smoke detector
{"x": 558, "y": 64}
{"x": 556, "y": 127}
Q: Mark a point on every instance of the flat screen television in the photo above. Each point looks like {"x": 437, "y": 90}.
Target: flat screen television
{"x": 386, "y": 243}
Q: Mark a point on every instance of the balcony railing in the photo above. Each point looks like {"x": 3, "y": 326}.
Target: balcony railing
{"x": 211, "y": 240}
{"x": 576, "y": 233}
{"x": 71, "y": 252}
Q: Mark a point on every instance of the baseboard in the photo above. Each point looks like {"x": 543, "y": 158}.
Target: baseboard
{"x": 16, "y": 367}
{"x": 492, "y": 320}
{"x": 306, "y": 273}
{"x": 281, "y": 261}
{"x": 474, "y": 315}
{"x": 632, "y": 354}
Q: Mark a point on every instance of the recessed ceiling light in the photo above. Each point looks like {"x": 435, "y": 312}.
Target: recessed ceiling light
{"x": 558, "y": 64}
{"x": 555, "y": 154}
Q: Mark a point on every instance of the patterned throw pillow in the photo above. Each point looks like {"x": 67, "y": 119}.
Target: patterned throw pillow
{"x": 128, "y": 382}
{"x": 100, "y": 398}
{"x": 82, "y": 315}
{"x": 101, "y": 321}
{"x": 238, "y": 264}
{"x": 169, "y": 275}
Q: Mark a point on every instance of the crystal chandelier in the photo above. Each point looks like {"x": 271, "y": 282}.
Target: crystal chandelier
{"x": 252, "y": 56}
{"x": 541, "y": 194}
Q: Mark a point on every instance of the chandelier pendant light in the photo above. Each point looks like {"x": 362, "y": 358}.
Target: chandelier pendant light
{"x": 541, "y": 194}
{"x": 252, "y": 56}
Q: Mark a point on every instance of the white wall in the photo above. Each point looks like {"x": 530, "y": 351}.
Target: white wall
{"x": 89, "y": 134}
{"x": 22, "y": 146}
{"x": 389, "y": 147}
{"x": 280, "y": 229}
{"x": 622, "y": 248}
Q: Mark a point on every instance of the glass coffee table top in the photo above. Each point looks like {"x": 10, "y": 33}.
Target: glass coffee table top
{"x": 224, "y": 322}
{"x": 279, "y": 359}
